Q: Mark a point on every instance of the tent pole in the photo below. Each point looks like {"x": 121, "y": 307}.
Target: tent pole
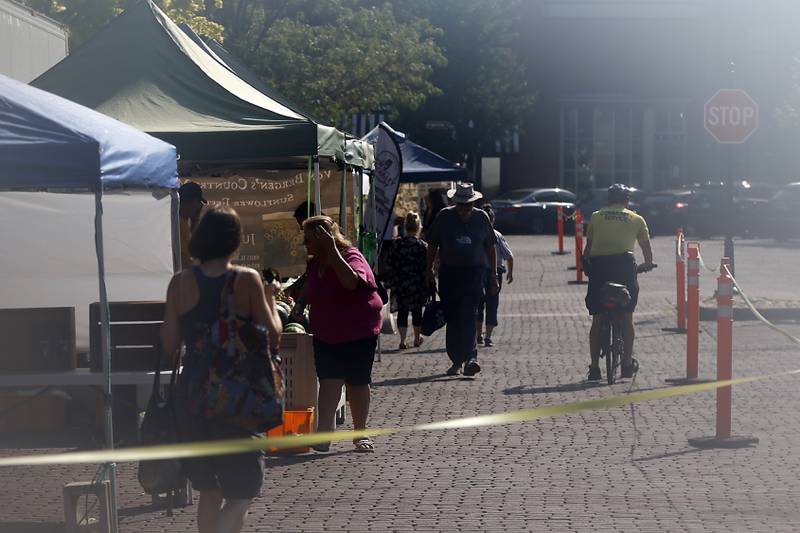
{"x": 308, "y": 188}
{"x": 358, "y": 206}
{"x": 105, "y": 346}
{"x": 176, "y": 230}
{"x": 317, "y": 192}
{"x": 343, "y": 201}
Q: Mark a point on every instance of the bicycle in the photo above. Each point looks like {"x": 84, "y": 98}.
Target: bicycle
{"x": 615, "y": 298}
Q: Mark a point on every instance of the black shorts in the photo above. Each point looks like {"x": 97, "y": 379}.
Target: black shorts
{"x": 350, "y": 361}
{"x": 618, "y": 268}
{"x": 237, "y": 476}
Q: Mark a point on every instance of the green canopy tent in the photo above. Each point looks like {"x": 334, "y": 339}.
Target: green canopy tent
{"x": 142, "y": 69}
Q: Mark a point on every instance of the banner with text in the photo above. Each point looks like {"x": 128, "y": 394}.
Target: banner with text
{"x": 265, "y": 201}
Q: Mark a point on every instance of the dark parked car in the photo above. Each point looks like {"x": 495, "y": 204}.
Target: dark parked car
{"x": 710, "y": 212}
{"x": 782, "y": 212}
{"x": 532, "y": 210}
{"x": 665, "y": 211}
{"x": 593, "y": 199}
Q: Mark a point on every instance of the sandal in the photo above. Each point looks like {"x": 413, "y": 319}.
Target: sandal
{"x": 364, "y": 444}
{"x": 417, "y": 343}
{"x": 403, "y": 346}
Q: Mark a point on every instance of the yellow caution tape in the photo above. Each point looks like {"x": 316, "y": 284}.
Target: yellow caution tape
{"x": 223, "y": 447}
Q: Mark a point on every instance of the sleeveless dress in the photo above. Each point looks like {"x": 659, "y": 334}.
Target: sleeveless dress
{"x": 238, "y": 476}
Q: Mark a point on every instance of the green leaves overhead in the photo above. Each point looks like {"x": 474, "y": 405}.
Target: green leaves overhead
{"x": 414, "y": 60}
{"x": 360, "y": 59}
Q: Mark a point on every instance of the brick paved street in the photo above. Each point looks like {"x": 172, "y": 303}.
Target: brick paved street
{"x": 623, "y": 469}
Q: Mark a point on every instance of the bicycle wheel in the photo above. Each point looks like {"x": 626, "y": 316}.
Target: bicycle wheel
{"x": 617, "y": 346}
{"x": 608, "y": 348}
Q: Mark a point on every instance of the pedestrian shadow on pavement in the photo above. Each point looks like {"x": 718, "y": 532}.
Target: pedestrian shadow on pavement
{"x": 568, "y": 387}
{"x": 411, "y": 381}
{"x": 666, "y": 455}
{"x": 285, "y": 459}
{"x": 436, "y": 350}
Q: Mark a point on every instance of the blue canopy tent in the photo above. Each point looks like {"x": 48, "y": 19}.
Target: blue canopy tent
{"x": 53, "y": 145}
{"x": 420, "y": 164}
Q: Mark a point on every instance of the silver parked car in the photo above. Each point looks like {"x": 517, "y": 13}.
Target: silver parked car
{"x": 532, "y": 210}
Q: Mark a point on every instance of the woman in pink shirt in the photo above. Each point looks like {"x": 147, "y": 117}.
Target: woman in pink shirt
{"x": 345, "y": 319}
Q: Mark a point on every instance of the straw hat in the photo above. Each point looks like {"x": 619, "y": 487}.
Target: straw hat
{"x": 464, "y": 193}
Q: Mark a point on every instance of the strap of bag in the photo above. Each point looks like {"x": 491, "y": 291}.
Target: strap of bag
{"x": 157, "y": 373}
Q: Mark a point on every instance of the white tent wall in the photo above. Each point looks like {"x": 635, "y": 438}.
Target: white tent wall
{"x": 49, "y": 257}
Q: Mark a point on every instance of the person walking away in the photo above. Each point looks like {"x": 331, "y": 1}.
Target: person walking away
{"x": 227, "y": 483}
{"x": 434, "y": 202}
{"x": 191, "y": 206}
{"x": 491, "y": 303}
{"x": 463, "y": 237}
{"x": 408, "y": 281}
{"x": 345, "y": 316}
{"x": 610, "y": 238}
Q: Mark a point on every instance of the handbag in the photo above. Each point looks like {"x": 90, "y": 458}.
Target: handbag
{"x": 245, "y": 381}
{"x": 433, "y": 317}
{"x": 159, "y": 427}
{"x": 389, "y": 326}
{"x": 382, "y": 292}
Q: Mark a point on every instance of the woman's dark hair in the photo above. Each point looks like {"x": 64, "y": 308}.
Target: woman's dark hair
{"x": 219, "y": 234}
{"x": 302, "y": 210}
{"x": 437, "y": 201}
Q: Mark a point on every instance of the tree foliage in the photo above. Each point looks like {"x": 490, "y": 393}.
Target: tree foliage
{"x": 85, "y": 17}
{"x": 485, "y": 91}
{"x": 336, "y": 57}
{"x": 451, "y": 60}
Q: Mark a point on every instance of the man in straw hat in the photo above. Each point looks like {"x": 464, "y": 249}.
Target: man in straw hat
{"x": 465, "y": 241}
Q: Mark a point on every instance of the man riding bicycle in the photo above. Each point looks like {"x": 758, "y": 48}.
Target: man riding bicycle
{"x": 608, "y": 256}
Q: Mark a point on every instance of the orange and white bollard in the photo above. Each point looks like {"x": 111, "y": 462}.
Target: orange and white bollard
{"x": 692, "y": 316}
{"x": 578, "y": 249}
{"x": 680, "y": 283}
{"x": 724, "y": 349}
{"x": 680, "y": 277}
{"x": 723, "y": 437}
{"x": 693, "y": 310}
{"x": 560, "y": 225}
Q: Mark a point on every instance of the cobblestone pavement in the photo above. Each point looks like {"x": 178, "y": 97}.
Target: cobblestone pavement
{"x": 622, "y": 469}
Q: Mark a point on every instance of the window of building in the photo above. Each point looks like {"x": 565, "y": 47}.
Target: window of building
{"x": 601, "y": 145}
{"x": 604, "y": 143}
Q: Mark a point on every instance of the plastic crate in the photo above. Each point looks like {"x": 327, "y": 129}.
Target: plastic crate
{"x": 297, "y": 353}
{"x": 294, "y": 423}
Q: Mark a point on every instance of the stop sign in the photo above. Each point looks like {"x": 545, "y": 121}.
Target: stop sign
{"x": 730, "y": 116}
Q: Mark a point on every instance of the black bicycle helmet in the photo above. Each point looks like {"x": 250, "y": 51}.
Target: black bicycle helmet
{"x": 619, "y": 193}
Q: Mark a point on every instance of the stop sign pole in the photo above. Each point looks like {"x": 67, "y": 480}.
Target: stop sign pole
{"x": 731, "y": 117}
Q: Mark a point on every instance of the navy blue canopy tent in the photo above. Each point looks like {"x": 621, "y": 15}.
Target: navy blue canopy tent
{"x": 420, "y": 164}
{"x": 48, "y": 143}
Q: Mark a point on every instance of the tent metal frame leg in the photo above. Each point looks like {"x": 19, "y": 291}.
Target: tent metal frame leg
{"x": 105, "y": 341}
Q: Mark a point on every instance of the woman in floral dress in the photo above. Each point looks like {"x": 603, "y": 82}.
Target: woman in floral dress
{"x": 407, "y": 278}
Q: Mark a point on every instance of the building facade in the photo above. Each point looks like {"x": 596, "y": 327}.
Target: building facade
{"x": 622, "y": 84}
{"x": 30, "y": 43}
